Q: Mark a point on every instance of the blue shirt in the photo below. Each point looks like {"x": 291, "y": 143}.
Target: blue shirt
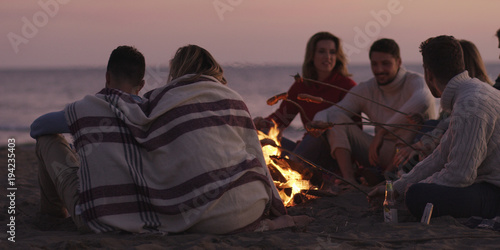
{"x": 55, "y": 123}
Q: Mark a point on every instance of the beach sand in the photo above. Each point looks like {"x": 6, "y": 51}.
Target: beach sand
{"x": 344, "y": 221}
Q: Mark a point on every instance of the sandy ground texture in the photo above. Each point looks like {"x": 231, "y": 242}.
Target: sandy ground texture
{"x": 343, "y": 221}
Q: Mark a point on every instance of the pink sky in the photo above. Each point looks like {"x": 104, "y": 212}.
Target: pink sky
{"x": 83, "y": 33}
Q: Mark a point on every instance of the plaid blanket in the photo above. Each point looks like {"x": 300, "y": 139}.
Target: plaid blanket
{"x": 188, "y": 154}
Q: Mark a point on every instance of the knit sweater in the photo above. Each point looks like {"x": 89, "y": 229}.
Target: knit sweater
{"x": 431, "y": 139}
{"x": 407, "y": 93}
{"x": 469, "y": 151}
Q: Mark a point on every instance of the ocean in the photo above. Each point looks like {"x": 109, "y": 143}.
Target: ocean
{"x": 29, "y": 93}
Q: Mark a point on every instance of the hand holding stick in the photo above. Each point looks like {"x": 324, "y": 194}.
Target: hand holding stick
{"x": 316, "y": 128}
{"x": 263, "y": 123}
{"x": 315, "y": 99}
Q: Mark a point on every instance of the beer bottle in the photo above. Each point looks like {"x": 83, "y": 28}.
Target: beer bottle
{"x": 390, "y": 211}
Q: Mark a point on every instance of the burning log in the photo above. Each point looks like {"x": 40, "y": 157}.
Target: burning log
{"x": 298, "y": 178}
{"x": 289, "y": 177}
{"x": 276, "y": 174}
{"x": 286, "y": 163}
{"x": 299, "y": 198}
{"x": 293, "y": 185}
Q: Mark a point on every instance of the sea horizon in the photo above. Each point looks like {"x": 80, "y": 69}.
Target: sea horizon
{"x": 32, "y": 92}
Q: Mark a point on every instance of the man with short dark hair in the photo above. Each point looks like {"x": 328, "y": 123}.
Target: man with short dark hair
{"x": 125, "y": 71}
{"x": 461, "y": 177}
{"x": 58, "y": 163}
{"x": 393, "y": 86}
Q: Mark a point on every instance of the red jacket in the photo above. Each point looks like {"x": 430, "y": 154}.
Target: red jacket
{"x": 287, "y": 111}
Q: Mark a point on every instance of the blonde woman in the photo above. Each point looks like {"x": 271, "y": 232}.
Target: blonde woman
{"x": 324, "y": 61}
{"x": 192, "y": 59}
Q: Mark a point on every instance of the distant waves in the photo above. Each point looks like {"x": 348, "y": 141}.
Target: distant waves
{"x": 4, "y": 128}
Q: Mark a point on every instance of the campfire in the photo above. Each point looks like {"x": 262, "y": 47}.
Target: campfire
{"x": 291, "y": 179}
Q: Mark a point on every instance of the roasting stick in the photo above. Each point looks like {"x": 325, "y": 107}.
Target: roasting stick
{"x": 272, "y": 143}
{"x": 315, "y": 99}
{"x": 390, "y": 125}
{"x": 274, "y": 99}
{"x": 350, "y": 92}
{"x": 284, "y": 96}
{"x": 300, "y": 108}
{"x": 400, "y": 126}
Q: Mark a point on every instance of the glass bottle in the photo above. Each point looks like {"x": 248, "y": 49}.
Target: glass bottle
{"x": 390, "y": 211}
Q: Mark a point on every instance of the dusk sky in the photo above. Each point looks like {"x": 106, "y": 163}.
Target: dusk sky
{"x": 65, "y": 33}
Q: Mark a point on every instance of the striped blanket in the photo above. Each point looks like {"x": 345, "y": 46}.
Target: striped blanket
{"x": 187, "y": 157}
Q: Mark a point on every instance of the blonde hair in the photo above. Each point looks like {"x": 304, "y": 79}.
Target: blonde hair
{"x": 474, "y": 62}
{"x": 308, "y": 69}
{"x": 193, "y": 59}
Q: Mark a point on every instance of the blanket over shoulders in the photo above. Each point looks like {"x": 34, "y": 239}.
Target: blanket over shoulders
{"x": 187, "y": 155}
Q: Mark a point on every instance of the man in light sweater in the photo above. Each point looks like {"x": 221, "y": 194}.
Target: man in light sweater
{"x": 462, "y": 176}
{"x": 393, "y": 86}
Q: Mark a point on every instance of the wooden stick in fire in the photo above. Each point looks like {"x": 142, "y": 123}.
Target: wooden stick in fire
{"x": 272, "y": 143}
{"x": 297, "y": 76}
{"x": 315, "y": 99}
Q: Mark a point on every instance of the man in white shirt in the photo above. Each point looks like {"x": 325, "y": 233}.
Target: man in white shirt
{"x": 393, "y": 86}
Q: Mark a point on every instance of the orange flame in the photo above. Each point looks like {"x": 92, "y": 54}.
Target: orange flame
{"x": 294, "y": 178}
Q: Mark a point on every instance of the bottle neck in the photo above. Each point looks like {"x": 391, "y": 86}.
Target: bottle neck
{"x": 389, "y": 191}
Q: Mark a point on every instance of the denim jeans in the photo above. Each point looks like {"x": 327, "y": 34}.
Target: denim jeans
{"x": 316, "y": 150}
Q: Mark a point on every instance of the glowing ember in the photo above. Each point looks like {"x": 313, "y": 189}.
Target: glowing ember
{"x": 293, "y": 178}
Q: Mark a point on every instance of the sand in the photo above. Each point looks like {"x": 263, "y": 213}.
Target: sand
{"x": 344, "y": 221}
